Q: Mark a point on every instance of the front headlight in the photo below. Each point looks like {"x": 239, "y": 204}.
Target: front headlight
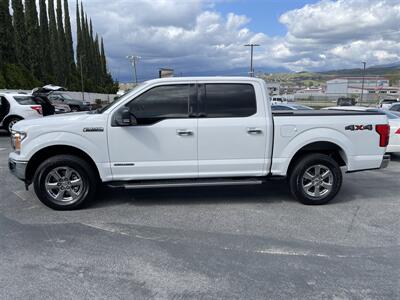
{"x": 16, "y": 140}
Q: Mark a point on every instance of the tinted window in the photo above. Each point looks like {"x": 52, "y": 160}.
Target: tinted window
{"x": 25, "y": 100}
{"x": 229, "y": 100}
{"x": 163, "y": 102}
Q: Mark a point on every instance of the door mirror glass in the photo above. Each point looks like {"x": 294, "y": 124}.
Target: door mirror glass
{"x": 125, "y": 118}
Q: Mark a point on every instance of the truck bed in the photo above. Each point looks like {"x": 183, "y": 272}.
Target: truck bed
{"x": 326, "y": 113}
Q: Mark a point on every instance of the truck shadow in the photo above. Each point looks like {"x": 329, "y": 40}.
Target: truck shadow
{"x": 271, "y": 191}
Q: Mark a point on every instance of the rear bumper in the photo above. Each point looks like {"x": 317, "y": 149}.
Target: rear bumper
{"x": 18, "y": 168}
{"x": 385, "y": 161}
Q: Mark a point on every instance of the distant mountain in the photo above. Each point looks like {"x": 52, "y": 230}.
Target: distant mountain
{"x": 234, "y": 72}
{"x": 385, "y": 70}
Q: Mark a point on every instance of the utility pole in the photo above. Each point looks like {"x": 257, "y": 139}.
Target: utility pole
{"x": 83, "y": 87}
{"x": 251, "y": 73}
{"x": 363, "y": 80}
{"x": 134, "y": 60}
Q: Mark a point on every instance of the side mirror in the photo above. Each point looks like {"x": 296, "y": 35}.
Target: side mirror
{"x": 125, "y": 118}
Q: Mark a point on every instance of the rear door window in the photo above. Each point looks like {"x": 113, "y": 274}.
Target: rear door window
{"x": 25, "y": 100}
{"x": 229, "y": 100}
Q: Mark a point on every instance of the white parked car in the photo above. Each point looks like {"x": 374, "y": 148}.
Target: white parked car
{"x": 387, "y": 103}
{"x": 195, "y": 132}
{"x": 394, "y": 122}
{"x": 15, "y": 107}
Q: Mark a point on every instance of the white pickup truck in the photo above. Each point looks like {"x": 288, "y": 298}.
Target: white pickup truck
{"x": 195, "y": 132}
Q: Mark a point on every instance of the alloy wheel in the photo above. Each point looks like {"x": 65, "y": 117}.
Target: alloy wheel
{"x": 317, "y": 181}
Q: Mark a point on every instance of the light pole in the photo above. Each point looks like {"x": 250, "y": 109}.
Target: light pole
{"x": 363, "y": 80}
{"x": 251, "y": 73}
{"x": 82, "y": 84}
{"x": 134, "y": 60}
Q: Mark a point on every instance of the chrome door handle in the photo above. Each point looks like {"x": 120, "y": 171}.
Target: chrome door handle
{"x": 254, "y": 131}
{"x": 184, "y": 132}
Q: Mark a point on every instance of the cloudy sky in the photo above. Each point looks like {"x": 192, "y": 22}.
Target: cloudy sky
{"x": 207, "y": 36}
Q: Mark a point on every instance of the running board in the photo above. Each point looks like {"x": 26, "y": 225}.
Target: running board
{"x": 184, "y": 183}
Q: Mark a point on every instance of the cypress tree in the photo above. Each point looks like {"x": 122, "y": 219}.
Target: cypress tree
{"x": 21, "y": 48}
{"x": 103, "y": 58}
{"x": 46, "y": 63}
{"x": 99, "y": 73}
{"x": 84, "y": 54}
{"x": 78, "y": 36}
{"x": 62, "y": 45}
{"x": 7, "y": 41}
{"x": 68, "y": 37}
{"x": 33, "y": 37}
{"x": 54, "y": 52}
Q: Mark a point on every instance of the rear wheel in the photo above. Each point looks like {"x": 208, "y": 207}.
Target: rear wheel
{"x": 315, "y": 179}
{"x": 65, "y": 182}
{"x": 11, "y": 122}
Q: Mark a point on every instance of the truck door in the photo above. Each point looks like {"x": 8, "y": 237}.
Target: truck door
{"x": 163, "y": 145}
{"x": 232, "y": 130}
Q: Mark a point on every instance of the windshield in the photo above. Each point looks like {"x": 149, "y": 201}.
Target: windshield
{"x": 118, "y": 100}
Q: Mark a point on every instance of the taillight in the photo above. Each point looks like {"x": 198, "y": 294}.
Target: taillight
{"x": 384, "y": 132}
{"x": 38, "y": 109}
{"x": 398, "y": 131}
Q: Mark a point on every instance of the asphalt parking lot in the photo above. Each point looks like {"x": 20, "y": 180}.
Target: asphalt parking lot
{"x": 204, "y": 243}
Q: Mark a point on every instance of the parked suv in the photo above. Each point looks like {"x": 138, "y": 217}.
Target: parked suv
{"x": 15, "y": 107}
{"x": 74, "y": 104}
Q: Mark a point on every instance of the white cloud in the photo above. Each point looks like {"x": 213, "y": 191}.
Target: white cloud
{"x": 335, "y": 34}
{"x": 190, "y": 35}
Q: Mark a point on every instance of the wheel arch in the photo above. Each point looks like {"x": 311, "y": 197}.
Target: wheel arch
{"x": 331, "y": 149}
{"x": 40, "y": 156}
{"x": 7, "y": 118}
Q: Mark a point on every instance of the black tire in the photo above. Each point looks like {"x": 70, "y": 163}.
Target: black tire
{"x": 11, "y": 121}
{"x": 80, "y": 170}
{"x": 315, "y": 190}
{"x": 74, "y": 108}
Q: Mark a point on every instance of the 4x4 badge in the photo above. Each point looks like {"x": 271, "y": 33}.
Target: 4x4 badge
{"x": 359, "y": 127}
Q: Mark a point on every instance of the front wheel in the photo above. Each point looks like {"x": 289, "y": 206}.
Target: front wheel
{"x": 315, "y": 179}
{"x": 65, "y": 182}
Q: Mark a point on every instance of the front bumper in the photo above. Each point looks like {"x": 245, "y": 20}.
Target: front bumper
{"x": 18, "y": 168}
{"x": 385, "y": 161}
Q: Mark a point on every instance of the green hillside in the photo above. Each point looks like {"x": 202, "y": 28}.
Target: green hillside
{"x": 309, "y": 79}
